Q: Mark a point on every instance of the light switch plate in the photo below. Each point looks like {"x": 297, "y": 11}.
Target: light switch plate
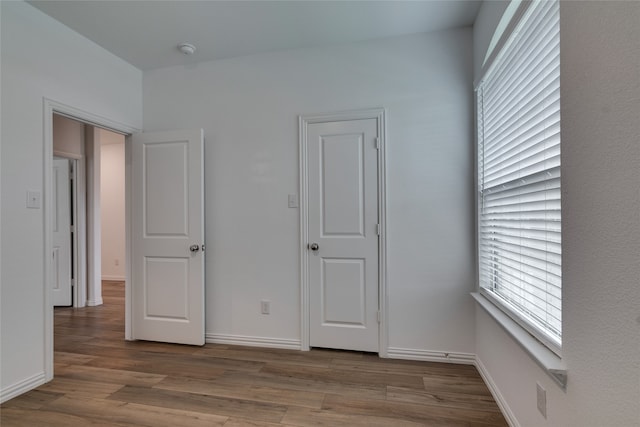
{"x": 293, "y": 200}
{"x": 33, "y": 199}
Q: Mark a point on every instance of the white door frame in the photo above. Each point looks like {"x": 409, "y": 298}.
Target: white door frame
{"x": 49, "y": 108}
{"x": 379, "y": 114}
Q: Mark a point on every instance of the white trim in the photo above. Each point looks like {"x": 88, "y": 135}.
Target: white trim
{"x": 79, "y": 240}
{"x": 94, "y": 302}
{"x": 497, "y": 396}
{"x": 128, "y": 216}
{"x": 49, "y": 108}
{"x": 304, "y": 235}
{"x": 303, "y": 121}
{"x": 114, "y": 278}
{"x": 431, "y": 356}
{"x": 67, "y": 155}
{"x": 93, "y": 229}
{"x": 290, "y": 344}
{"x": 90, "y": 118}
{"x": 80, "y": 292}
{"x": 22, "y": 387}
{"x": 540, "y": 353}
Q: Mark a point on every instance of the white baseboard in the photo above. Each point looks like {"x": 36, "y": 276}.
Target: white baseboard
{"x": 253, "y": 341}
{"x": 431, "y": 356}
{"x": 500, "y": 400}
{"x": 114, "y": 278}
{"x": 22, "y": 387}
{"x": 94, "y": 302}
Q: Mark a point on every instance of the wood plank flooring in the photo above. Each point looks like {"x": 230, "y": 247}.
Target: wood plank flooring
{"x": 102, "y": 380}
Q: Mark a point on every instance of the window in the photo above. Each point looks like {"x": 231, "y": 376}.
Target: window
{"x": 519, "y": 175}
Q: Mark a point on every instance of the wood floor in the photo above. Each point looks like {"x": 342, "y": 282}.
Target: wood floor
{"x": 102, "y": 380}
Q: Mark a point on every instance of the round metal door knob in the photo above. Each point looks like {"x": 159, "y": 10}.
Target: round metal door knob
{"x": 314, "y": 246}
{"x": 194, "y": 248}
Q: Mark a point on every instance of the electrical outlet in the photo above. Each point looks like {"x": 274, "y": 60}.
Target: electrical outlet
{"x": 116, "y": 262}
{"x": 265, "y": 306}
{"x": 541, "y": 394}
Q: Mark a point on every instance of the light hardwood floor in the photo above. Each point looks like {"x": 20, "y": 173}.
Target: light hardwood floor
{"x": 102, "y": 380}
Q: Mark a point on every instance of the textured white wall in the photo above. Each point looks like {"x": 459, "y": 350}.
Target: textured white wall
{"x": 42, "y": 58}
{"x": 249, "y": 107}
{"x": 600, "y": 84}
{"x": 112, "y": 205}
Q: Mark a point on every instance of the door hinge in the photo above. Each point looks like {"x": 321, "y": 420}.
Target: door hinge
{"x": 73, "y": 283}
{"x": 379, "y": 316}
{"x": 377, "y": 143}
{"x": 73, "y": 229}
{"x": 378, "y": 229}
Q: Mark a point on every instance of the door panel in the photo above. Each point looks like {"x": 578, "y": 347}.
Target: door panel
{"x": 167, "y": 293}
{"x": 342, "y": 193}
{"x": 343, "y": 292}
{"x": 168, "y": 218}
{"x": 61, "y": 219}
{"x": 343, "y": 217}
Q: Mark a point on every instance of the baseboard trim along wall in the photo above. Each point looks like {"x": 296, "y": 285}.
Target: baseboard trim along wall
{"x": 22, "y": 387}
{"x": 430, "y": 356}
{"x": 94, "y": 302}
{"x": 253, "y": 341}
{"x": 500, "y": 400}
{"x": 114, "y": 278}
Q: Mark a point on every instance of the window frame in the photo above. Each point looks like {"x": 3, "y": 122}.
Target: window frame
{"x": 494, "y": 53}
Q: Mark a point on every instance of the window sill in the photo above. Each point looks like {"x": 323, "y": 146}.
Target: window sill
{"x": 545, "y": 358}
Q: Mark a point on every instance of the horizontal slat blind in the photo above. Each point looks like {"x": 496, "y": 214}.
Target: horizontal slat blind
{"x": 519, "y": 175}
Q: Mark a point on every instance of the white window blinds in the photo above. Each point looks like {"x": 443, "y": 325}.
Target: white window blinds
{"x": 519, "y": 175}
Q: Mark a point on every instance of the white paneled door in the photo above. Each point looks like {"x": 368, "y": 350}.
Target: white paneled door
{"x": 61, "y": 223}
{"x": 167, "y": 264}
{"x": 343, "y": 226}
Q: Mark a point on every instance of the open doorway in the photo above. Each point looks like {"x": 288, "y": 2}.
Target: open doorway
{"x": 88, "y": 257}
{"x": 88, "y": 211}
{"x": 112, "y": 206}
{"x": 154, "y": 161}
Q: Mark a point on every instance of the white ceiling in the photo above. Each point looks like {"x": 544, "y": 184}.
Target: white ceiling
{"x": 146, "y": 33}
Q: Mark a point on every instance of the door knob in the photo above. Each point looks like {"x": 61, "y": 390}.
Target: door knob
{"x": 314, "y": 246}
{"x": 194, "y": 248}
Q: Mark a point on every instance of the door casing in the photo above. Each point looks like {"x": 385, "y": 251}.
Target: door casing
{"x": 379, "y": 114}
{"x": 49, "y": 108}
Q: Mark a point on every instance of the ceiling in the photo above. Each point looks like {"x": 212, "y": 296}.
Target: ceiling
{"x": 146, "y": 33}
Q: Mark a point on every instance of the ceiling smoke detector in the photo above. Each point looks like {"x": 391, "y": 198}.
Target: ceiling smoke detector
{"x": 186, "y": 48}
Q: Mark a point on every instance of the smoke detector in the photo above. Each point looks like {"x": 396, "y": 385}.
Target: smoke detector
{"x": 186, "y": 48}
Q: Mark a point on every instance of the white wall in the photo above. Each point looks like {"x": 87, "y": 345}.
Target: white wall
{"x": 600, "y": 84}
{"x": 112, "y": 205}
{"x": 68, "y": 137}
{"x": 249, "y": 106}
{"x": 42, "y": 58}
